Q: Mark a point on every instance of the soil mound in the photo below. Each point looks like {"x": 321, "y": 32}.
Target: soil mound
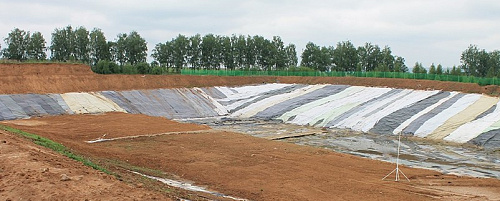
{"x": 44, "y": 69}
{"x": 63, "y": 78}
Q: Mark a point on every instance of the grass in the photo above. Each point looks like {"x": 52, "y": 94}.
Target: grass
{"x": 45, "y": 142}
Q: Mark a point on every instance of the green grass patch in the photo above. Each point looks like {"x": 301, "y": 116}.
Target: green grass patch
{"x": 45, "y": 142}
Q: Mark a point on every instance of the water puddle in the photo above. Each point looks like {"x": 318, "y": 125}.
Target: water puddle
{"x": 189, "y": 187}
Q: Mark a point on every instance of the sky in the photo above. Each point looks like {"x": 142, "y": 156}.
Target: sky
{"x": 426, "y": 31}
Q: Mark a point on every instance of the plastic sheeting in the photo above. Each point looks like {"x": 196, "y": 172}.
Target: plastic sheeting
{"x": 84, "y": 103}
{"x": 304, "y": 109}
{"x": 418, "y": 122}
{"x": 170, "y": 103}
{"x": 390, "y": 122}
{"x": 213, "y": 92}
{"x": 267, "y": 102}
{"x": 358, "y": 118}
{"x": 422, "y": 112}
{"x": 464, "y": 116}
{"x": 432, "y": 124}
{"x": 360, "y": 108}
{"x": 472, "y": 129}
{"x": 488, "y": 140}
{"x": 17, "y": 106}
{"x": 245, "y": 103}
{"x": 332, "y": 110}
{"x": 240, "y": 94}
{"x": 280, "y": 108}
{"x": 403, "y": 102}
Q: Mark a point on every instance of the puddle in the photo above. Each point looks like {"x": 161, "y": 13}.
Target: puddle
{"x": 189, "y": 187}
{"x": 442, "y": 157}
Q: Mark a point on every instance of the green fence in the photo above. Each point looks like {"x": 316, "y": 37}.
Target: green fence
{"x": 421, "y": 76}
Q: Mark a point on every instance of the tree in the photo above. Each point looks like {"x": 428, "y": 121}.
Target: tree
{"x": 162, "y": 53}
{"x": 226, "y": 52}
{"x": 418, "y": 68}
{"x": 99, "y": 48}
{"x": 291, "y": 56}
{"x": 387, "y": 61}
{"x": 439, "y": 69}
{"x": 136, "y": 48}
{"x": 63, "y": 44}
{"x": 82, "y": 45}
{"x": 36, "y": 47}
{"x": 240, "y": 48}
{"x": 194, "y": 51}
{"x": 345, "y": 56}
{"x": 474, "y": 61}
{"x": 493, "y": 64}
{"x": 369, "y": 57}
{"x": 310, "y": 56}
{"x": 399, "y": 64}
{"x": 432, "y": 69}
{"x": 456, "y": 71}
{"x": 209, "y": 52}
{"x": 17, "y": 44}
{"x": 180, "y": 47}
{"x": 131, "y": 48}
{"x": 278, "y": 53}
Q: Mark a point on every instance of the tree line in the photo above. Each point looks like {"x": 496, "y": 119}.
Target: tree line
{"x": 128, "y": 54}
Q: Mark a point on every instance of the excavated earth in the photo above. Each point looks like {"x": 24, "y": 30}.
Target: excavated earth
{"x": 229, "y": 163}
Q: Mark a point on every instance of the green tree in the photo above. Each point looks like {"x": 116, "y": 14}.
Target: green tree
{"x": 493, "y": 64}
{"x": 278, "y": 54}
{"x": 136, "y": 48}
{"x": 418, "y": 68}
{"x": 226, "y": 52}
{"x": 180, "y": 47}
{"x": 99, "y": 48}
{"x": 119, "y": 49}
{"x": 310, "y": 56}
{"x": 17, "y": 44}
{"x": 432, "y": 69}
{"x": 240, "y": 48}
{"x": 455, "y": 71}
{"x": 439, "y": 69}
{"x": 194, "y": 51}
{"x": 36, "y": 47}
{"x": 291, "y": 56}
{"x": 399, "y": 64}
{"x": 474, "y": 61}
{"x": 345, "y": 56}
{"x": 209, "y": 52}
{"x": 387, "y": 59}
{"x": 163, "y": 54}
{"x": 63, "y": 44}
{"x": 131, "y": 48}
{"x": 82, "y": 45}
{"x": 369, "y": 57}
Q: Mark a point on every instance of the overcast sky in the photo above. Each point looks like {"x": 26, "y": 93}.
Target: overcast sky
{"x": 427, "y": 31}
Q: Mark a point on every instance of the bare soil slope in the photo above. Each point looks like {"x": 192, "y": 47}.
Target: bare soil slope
{"x": 62, "y": 78}
{"x": 31, "y": 172}
{"x": 248, "y": 167}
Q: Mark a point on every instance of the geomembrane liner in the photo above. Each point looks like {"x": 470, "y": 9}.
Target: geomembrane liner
{"x": 390, "y": 122}
{"x": 451, "y": 116}
{"x": 280, "y": 108}
{"x": 417, "y": 123}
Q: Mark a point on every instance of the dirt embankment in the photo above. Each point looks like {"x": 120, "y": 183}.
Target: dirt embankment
{"x": 31, "y": 172}
{"x": 62, "y": 78}
{"x": 248, "y": 167}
